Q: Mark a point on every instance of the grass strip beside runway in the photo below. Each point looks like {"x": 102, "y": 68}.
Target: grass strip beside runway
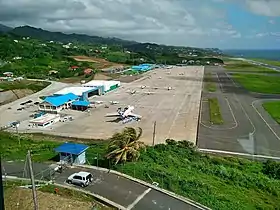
{"x": 259, "y": 83}
{"x": 243, "y": 66}
{"x": 214, "y": 110}
{"x": 273, "y": 108}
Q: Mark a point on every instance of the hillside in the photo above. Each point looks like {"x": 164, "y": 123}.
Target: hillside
{"x": 39, "y": 33}
{"x": 4, "y": 28}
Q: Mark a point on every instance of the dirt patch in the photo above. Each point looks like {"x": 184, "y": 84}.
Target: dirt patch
{"x": 128, "y": 78}
{"x": 100, "y": 76}
{"x": 101, "y": 63}
{"x": 12, "y": 95}
{"x": 18, "y": 198}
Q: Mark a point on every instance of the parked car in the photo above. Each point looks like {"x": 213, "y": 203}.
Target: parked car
{"x": 81, "y": 178}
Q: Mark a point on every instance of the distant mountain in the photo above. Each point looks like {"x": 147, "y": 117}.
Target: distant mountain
{"x": 4, "y": 28}
{"x": 39, "y": 33}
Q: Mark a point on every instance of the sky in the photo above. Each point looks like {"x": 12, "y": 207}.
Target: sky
{"x": 225, "y": 24}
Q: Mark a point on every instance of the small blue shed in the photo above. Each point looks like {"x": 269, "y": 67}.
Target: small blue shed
{"x": 72, "y": 153}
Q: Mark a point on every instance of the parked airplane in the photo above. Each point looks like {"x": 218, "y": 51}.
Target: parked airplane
{"x": 114, "y": 102}
{"x": 131, "y": 92}
{"x": 125, "y": 113}
{"x": 149, "y": 93}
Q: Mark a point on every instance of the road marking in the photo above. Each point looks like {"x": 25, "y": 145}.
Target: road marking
{"x": 138, "y": 199}
{"x": 271, "y": 129}
{"x": 247, "y": 116}
{"x": 232, "y": 80}
{"x": 220, "y": 84}
{"x": 238, "y": 153}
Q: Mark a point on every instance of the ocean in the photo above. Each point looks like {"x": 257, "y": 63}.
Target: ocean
{"x": 264, "y": 54}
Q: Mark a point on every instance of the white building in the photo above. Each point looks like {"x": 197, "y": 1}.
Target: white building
{"x": 45, "y": 120}
{"x": 107, "y": 85}
{"x": 56, "y": 103}
{"x": 80, "y": 91}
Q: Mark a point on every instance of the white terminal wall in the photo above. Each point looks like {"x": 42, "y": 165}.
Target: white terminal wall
{"x": 106, "y": 84}
{"x": 45, "y": 120}
{"x": 78, "y": 91}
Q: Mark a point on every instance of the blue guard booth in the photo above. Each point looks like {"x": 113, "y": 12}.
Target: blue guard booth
{"x": 72, "y": 153}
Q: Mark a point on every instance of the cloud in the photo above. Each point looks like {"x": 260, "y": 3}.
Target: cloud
{"x": 264, "y": 7}
{"x": 178, "y": 22}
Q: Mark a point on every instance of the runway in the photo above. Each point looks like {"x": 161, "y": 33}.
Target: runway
{"x": 248, "y": 128}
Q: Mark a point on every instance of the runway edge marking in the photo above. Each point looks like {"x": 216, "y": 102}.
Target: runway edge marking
{"x": 271, "y": 129}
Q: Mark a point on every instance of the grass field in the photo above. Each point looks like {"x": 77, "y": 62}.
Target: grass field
{"x": 24, "y": 84}
{"x": 215, "y": 113}
{"x": 273, "y": 108}
{"x": 242, "y": 66}
{"x": 15, "y": 147}
{"x": 209, "y": 83}
{"x": 270, "y": 62}
{"x": 259, "y": 83}
{"x": 217, "y": 182}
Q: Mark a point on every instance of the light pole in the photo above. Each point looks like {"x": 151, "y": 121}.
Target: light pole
{"x": 2, "y": 206}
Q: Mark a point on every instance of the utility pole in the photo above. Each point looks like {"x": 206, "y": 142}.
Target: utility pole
{"x": 2, "y": 206}
{"x": 251, "y": 139}
{"x": 32, "y": 181}
{"x": 154, "y": 133}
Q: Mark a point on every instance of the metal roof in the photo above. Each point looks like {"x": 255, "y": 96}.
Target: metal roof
{"x": 81, "y": 103}
{"x": 60, "y": 99}
{"x": 71, "y": 148}
{"x": 75, "y": 90}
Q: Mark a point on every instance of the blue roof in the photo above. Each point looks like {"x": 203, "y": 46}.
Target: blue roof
{"x": 81, "y": 103}
{"x": 58, "y": 100}
{"x": 71, "y": 148}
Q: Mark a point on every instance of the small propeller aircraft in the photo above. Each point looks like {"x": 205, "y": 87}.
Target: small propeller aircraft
{"x": 124, "y": 114}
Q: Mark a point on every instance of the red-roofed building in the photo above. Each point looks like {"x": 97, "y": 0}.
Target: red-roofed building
{"x": 88, "y": 71}
{"x": 74, "y": 68}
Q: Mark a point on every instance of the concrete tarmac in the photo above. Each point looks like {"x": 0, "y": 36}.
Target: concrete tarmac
{"x": 243, "y": 114}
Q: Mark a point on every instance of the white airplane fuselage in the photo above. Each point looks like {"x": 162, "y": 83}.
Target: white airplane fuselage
{"x": 128, "y": 111}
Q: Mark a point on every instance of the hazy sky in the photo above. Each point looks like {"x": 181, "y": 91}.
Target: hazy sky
{"x": 200, "y": 23}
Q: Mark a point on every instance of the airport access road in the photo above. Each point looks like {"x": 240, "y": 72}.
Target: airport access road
{"x": 246, "y": 109}
{"x": 120, "y": 190}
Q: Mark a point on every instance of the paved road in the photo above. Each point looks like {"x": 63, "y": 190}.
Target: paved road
{"x": 243, "y": 113}
{"x": 115, "y": 188}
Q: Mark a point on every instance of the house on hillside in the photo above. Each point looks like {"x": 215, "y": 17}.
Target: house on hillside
{"x": 73, "y": 68}
{"x": 88, "y": 71}
{"x": 53, "y": 72}
{"x": 8, "y": 74}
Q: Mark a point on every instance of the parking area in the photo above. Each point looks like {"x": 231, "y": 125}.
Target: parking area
{"x": 175, "y": 111}
{"x": 126, "y": 193}
{"x": 21, "y": 109}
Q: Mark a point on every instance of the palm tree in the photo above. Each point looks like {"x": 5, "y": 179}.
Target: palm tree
{"x": 125, "y": 146}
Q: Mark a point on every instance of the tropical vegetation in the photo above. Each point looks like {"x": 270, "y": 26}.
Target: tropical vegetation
{"x": 34, "y": 53}
{"x": 125, "y": 146}
{"x": 215, "y": 181}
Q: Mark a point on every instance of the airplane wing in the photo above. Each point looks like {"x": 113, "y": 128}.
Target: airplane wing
{"x": 135, "y": 115}
{"x": 115, "y": 114}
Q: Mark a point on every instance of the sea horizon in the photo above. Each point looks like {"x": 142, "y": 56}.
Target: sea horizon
{"x": 270, "y": 54}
